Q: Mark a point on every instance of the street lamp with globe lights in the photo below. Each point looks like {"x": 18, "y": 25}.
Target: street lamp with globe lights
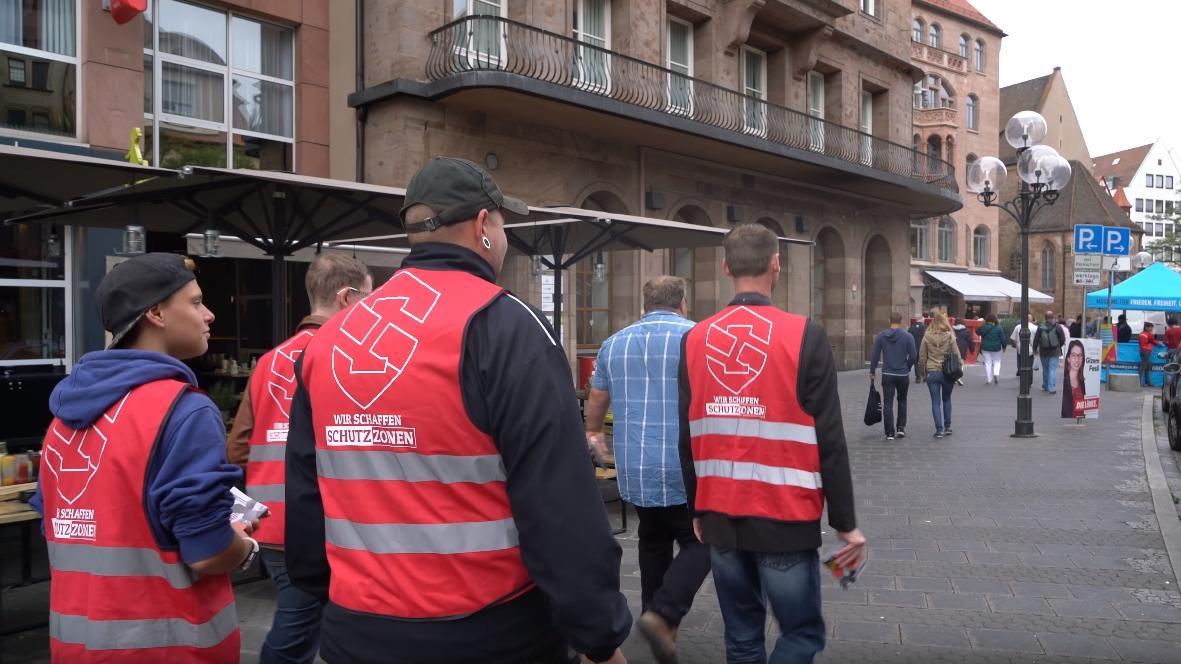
{"x": 1044, "y": 173}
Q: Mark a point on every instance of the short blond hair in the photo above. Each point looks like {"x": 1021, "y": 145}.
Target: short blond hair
{"x": 329, "y": 273}
{"x": 939, "y": 323}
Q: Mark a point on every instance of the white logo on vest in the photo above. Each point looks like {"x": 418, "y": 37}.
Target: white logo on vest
{"x": 736, "y": 348}
{"x": 380, "y": 350}
{"x": 281, "y": 385}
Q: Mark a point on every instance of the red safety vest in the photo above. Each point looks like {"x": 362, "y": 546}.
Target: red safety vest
{"x": 754, "y": 447}
{"x": 417, "y": 519}
{"x": 271, "y": 389}
{"x": 115, "y": 595}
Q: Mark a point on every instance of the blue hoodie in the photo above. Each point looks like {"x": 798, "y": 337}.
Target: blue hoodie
{"x": 895, "y": 348}
{"x": 188, "y": 479}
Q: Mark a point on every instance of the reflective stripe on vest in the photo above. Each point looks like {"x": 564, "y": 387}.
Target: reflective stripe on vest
{"x": 139, "y": 634}
{"x": 267, "y": 493}
{"x": 443, "y": 538}
{"x": 409, "y": 467}
{"x": 744, "y": 470}
{"x": 275, "y": 452}
{"x": 730, "y": 426}
{"x": 117, "y": 561}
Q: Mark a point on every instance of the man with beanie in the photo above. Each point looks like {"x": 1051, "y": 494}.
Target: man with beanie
{"x": 135, "y": 491}
{"x": 439, "y": 494}
{"x": 258, "y": 440}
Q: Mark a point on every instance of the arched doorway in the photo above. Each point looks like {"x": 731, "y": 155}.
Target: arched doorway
{"x": 828, "y": 289}
{"x": 878, "y": 289}
{"x": 603, "y": 294}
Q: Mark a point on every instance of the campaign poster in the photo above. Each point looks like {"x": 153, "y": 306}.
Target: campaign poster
{"x": 1080, "y": 378}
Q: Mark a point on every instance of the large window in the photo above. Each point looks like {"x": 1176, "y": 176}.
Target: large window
{"x": 865, "y": 126}
{"x": 869, "y": 7}
{"x": 919, "y": 239}
{"x": 33, "y": 295}
{"x": 480, "y": 43}
{"x": 933, "y": 92}
{"x": 946, "y": 240}
{"x": 592, "y": 293}
{"x": 816, "y": 110}
{"x": 935, "y": 35}
{"x": 680, "y": 61}
{"x": 980, "y": 55}
{"x": 1048, "y": 268}
{"x": 1148, "y": 180}
{"x": 592, "y": 25}
{"x": 973, "y": 113}
{"x": 980, "y": 246}
{"x": 964, "y": 42}
{"x": 1160, "y": 182}
{"x": 39, "y": 67}
{"x": 219, "y": 89}
{"x": 754, "y": 81}
{"x": 917, "y": 29}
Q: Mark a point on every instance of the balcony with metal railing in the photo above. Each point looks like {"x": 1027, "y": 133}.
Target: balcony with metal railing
{"x": 486, "y": 52}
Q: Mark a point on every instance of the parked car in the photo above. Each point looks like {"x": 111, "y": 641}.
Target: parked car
{"x": 1171, "y": 401}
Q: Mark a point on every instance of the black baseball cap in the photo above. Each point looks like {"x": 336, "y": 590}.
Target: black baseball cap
{"x": 456, "y": 189}
{"x": 137, "y": 284}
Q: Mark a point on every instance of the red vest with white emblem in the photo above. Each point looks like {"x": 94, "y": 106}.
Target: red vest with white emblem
{"x": 417, "y": 519}
{"x": 754, "y": 447}
{"x": 271, "y": 389}
{"x": 116, "y": 596}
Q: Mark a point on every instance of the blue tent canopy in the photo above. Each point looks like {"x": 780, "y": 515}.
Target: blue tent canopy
{"x": 1156, "y": 288}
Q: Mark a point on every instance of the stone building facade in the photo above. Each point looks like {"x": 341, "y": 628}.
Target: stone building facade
{"x": 789, "y": 113}
{"x": 956, "y": 118}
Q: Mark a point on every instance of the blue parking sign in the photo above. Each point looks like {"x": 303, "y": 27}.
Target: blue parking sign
{"x": 1088, "y": 239}
{"x": 1117, "y": 241}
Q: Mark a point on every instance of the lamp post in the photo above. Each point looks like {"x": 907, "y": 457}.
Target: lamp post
{"x": 1044, "y": 173}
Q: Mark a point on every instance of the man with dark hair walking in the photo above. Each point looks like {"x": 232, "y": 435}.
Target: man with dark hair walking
{"x": 900, "y": 355}
{"x": 917, "y": 329}
{"x": 763, "y": 450}
{"x": 636, "y": 375}
{"x": 258, "y": 441}
{"x": 1048, "y": 341}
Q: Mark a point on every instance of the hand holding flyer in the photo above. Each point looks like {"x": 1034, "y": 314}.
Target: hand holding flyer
{"x": 246, "y": 509}
{"x": 845, "y": 574}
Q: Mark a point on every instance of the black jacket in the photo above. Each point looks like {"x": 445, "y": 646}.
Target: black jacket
{"x": 816, "y": 385}
{"x": 517, "y": 387}
{"x": 1123, "y": 333}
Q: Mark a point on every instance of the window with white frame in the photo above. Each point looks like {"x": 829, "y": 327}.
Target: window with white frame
{"x": 917, "y": 30}
{"x": 219, "y": 89}
{"x": 935, "y": 35}
{"x": 869, "y": 7}
{"x": 964, "y": 42}
{"x": 865, "y": 126}
{"x": 39, "y": 84}
{"x": 920, "y": 240}
{"x": 754, "y": 86}
{"x": 980, "y": 246}
{"x": 973, "y": 119}
{"x": 980, "y": 55}
{"x": 946, "y": 240}
{"x": 816, "y": 111}
{"x": 680, "y": 62}
{"x": 592, "y": 26}
{"x": 933, "y": 92}
{"x": 480, "y": 41}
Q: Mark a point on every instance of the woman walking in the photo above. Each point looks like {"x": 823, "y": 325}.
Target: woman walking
{"x": 938, "y": 342}
{"x": 992, "y": 344}
{"x": 1074, "y": 389}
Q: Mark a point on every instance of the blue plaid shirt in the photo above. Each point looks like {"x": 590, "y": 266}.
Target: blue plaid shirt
{"x": 638, "y": 367}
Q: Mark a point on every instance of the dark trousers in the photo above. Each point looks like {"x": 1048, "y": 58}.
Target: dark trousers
{"x": 1145, "y": 367}
{"x": 892, "y": 385}
{"x": 667, "y": 583}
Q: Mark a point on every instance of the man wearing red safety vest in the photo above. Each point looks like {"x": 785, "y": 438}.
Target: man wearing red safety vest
{"x": 135, "y": 487}
{"x": 258, "y": 440}
{"x": 439, "y": 496}
{"x": 762, "y": 450}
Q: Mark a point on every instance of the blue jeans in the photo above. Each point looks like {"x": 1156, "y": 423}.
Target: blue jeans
{"x": 747, "y": 581}
{"x": 1049, "y": 372}
{"x": 940, "y": 389}
{"x": 295, "y": 632}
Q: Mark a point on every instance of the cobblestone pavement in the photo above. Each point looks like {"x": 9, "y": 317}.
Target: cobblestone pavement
{"x": 984, "y": 548}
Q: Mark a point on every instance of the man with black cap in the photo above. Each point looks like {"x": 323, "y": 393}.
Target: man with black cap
{"x": 439, "y": 495}
{"x": 135, "y": 492}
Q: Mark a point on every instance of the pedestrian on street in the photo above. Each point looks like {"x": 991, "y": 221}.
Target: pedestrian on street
{"x": 1015, "y": 339}
{"x": 154, "y": 544}
{"x": 258, "y": 441}
{"x": 636, "y": 375}
{"x": 963, "y": 342}
{"x": 1076, "y": 328}
{"x": 1123, "y": 330}
{"x": 439, "y": 495}
{"x": 1148, "y": 343}
{"x": 898, "y": 349}
{"x": 917, "y": 329}
{"x": 937, "y": 344}
{"x": 992, "y": 346}
{"x": 1048, "y": 341}
{"x": 776, "y": 410}
{"x": 1172, "y": 334}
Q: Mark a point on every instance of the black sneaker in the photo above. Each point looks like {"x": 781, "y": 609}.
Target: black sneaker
{"x": 889, "y": 437}
{"x": 946, "y": 432}
{"x": 938, "y": 434}
{"x": 901, "y": 434}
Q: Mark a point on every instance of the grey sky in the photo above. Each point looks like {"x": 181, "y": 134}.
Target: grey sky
{"x": 1117, "y": 60}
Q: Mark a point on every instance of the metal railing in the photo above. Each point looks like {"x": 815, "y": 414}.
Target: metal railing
{"x": 491, "y": 43}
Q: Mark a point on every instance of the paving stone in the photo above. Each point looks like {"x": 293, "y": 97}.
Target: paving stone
{"x": 897, "y": 598}
{"x": 873, "y": 581}
{"x": 1144, "y": 650}
{"x": 993, "y": 558}
{"x": 1004, "y": 639}
{"x": 922, "y": 583}
{"x": 935, "y": 635}
{"x": 1150, "y": 612}
{"x": 1028, "y": 605}
{"x": 955, "y": 545}
{"x": 850, "y": 596}
{"x": 959, "y": 602}
{"x": 1034, "y": 589}
{"x": 1076, "y": 645}
{"x": 1044, "y": 560}
{"x": 1013, "y": 547}
{"x": 892, "y": 554}
{"x": 980, "y": 586}
{"x": 1101, "y": 593}
{"x": 882, "y": 632}
{"x": 1081, "y": 608}
{"x": 942, "y": 556}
